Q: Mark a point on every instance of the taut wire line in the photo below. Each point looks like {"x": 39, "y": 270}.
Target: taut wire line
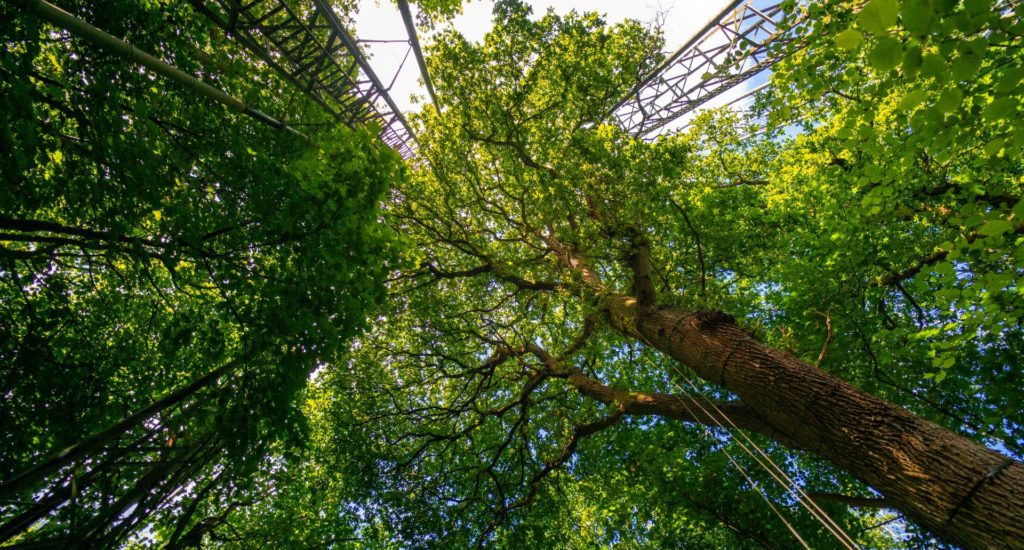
{"x": 789, "y": 484}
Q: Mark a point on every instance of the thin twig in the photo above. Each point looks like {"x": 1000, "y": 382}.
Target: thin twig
{"x": 700, "y": 249}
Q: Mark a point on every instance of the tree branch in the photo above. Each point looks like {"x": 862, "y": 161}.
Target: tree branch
{"x": 499, "y": 273}
{"x": 588, "y": 328}
{"x": 571, "y": 258}
{"x": 828, "y": 338}
{"x": 640, "y": 263}
{"x": 517, "y": 148}
{"x": 578, "y": 433}
{"x": 675, "y": 406}
{"x": 908, "y": 273}
{"x": 700, "y": 249}
{"x": 928, "y": 260}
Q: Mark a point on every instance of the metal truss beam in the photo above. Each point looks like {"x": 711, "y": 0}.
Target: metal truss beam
{"x": 308, "y": 44}
{"x": 730, "y": 49}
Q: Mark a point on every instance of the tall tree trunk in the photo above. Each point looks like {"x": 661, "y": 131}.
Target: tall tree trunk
{"x": 965, "y": 493}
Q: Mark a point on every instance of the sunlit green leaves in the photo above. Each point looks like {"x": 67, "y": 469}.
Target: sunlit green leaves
{"x": 849, "y": 39}
{"x": 926, "y": 125}
{"x": 878, "y": 16}
{"x": 879, "y": 236}
{"x": 995, "y": 227}
{"x": 886, "y": 53}
{"x": 917, "y": 16}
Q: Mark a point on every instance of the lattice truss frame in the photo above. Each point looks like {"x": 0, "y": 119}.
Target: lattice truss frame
{"x": 314, "y": 50}
{"x": 738, "y": 44}
{"x": 309, "y": 44}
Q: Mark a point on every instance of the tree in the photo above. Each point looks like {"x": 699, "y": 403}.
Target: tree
{"x": 598, "y": 340}
{"x": 579, "y": 290}
{"x": 170, "y": 273}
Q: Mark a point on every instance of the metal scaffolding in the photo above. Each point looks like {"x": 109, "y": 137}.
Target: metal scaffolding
{"x": 736, "y": 45}
{"x": 309, "y": 45}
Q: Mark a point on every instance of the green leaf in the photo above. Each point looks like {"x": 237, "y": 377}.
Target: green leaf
{"x": 886, "y": 54}
{"x": 1009, "y": 80}
{"x": 1018, "y": 210}
{"x": 994, "y": 147}
{"x": 933, "y": 66}
{"x": 950, "y": 99}
{"x": 912, "y": 100}
{"x": 995, "y": 227}
{"x": 966, "y": 66}
{"x": 917, "y": 16}
{"x": 1000, "y": 109}
{"x": 912, "y": 61}
{"x": 849, "y": 39}
{"x": 1018, "y": 136}
{"x": 943, "y": 268}
{"x": 977, "y": 7}
{"x": 878, "y": 15}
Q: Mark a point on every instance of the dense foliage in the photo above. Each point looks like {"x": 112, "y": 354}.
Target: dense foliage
{"x": 911, "y": 167}
{"x": 869, "y": 229}
{"x": 149, "y": 237}
{"x": 864, "y": 221}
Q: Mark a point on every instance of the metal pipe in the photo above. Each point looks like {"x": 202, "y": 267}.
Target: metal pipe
{"x": 118, "y": 47}
{"x": 410, "y": 27}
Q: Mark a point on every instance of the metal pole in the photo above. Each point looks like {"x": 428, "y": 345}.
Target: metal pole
{"x": 118, "y": 47}
{"x": 410, "y": 27}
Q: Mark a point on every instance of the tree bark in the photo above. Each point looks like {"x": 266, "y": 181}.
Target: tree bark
{"x": 965, "y": 493}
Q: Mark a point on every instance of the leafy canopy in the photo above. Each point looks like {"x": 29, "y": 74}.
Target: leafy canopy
{"x": 872, "y": 229}
{"x": 147, "y": 238}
